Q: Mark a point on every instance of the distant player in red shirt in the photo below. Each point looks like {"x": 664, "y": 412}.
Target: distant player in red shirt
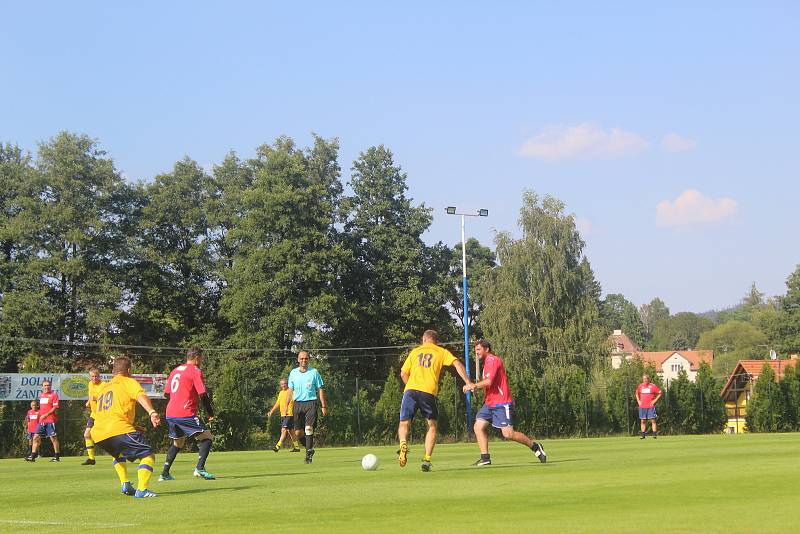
{"x": 48, "y": 404}
{"x": 185, "y": 388}
{"x": 647, "y": 395}
{"x": 32, "y": 421}
{"x": 498, "y": 406}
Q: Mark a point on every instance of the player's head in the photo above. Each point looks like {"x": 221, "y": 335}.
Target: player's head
{"x": 46, "y": 386}
{"x": 430, "y": 336}
{"x": 34, "y": 405}
{"x": 283, "y": 383}
{"x": 94, "y": 375}
{"x": 194, "y": 354}
{"x": 303, "y": 359}
{"x": 646, "y": 378}
{"x": 482, "y": 348}
{"x": 122, "y": 366}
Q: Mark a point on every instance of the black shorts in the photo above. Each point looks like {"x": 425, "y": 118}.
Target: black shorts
{"x": 305, "y": 414}
{"x": 287, "y": 421}
{"x": 131, "y": 446}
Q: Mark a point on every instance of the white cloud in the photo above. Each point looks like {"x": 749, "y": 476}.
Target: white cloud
{"x": 584, "y": 141}
{"x": 675, "y": 143}
{"x": 692, "y": 207}
{"x": 584, "y": 226}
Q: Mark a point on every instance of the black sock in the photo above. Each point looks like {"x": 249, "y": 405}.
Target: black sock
{"x": 30, "y": 450}
{"x": 172, "y": 452}
{"x": 309, "y": 442}
{"x": 484, "y": 456}
{"x": 205, "y": 448}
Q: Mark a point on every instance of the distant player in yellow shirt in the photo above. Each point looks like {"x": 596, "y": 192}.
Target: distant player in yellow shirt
{"x": 113, "y": 429}
{"x": 94, "y": 388}
{"x": 286, "y": 417}
{"x": 420, "y": 373}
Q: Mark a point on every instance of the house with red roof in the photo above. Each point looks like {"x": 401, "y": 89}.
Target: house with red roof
{"x": 668, "y": 364}
{"x": 739, "y": 388}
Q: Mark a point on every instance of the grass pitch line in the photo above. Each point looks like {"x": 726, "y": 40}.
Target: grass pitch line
{"x": 63, "y": 523}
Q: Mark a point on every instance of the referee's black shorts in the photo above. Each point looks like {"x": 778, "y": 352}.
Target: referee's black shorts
{"x": 305, "y": 414}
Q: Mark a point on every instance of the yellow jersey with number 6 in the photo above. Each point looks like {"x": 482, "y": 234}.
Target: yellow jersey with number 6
{"x": 116, "y": 407}
{"x": 424, "y": 365}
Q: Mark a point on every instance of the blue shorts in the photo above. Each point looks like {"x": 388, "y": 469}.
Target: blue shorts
{"x": 47, "y": 430}
{"x": 131, "y": 446}
{"x": 287, "y": 421}
{"x": 500, "y": 416}
{"x": 647, "y": 413}
{"x": 30, "y": 435}
{"x": 414, "y": 400}
{"x": 90, "y": 422}
{"x": 180, "y": 427}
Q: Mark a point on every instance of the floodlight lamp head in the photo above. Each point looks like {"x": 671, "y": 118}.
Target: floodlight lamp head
{"x": 451, "y": 210}
{"x": 483, "y": 213}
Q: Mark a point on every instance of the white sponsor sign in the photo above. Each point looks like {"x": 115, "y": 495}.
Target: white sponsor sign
{"x": 28, "y": 387}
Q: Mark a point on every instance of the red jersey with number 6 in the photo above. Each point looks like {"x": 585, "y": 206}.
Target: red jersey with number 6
{"x": 497, "y": 392}
{"x": 185, "y": 385}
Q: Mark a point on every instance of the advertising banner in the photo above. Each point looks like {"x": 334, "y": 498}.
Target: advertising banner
{"x": 27, "y": 387}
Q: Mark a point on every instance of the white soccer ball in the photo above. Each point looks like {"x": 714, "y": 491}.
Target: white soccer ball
{"x": 369, "y": 462}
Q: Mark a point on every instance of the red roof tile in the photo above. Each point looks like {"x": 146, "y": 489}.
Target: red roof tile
{"x": 622, "y": 343}
{"x": 754, "y": 367}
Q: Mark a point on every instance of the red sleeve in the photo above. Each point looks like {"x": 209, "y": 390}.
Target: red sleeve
{"x": 490, "y": 370}
{"x": 54, "y": 400}
{"x": 199, "y": 386}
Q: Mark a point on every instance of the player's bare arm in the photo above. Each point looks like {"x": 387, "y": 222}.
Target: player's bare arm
{"x": 405, "y": 376}
{"x": 322, "y": 401}
{"x": 144, "y": 401}
{"x": 462, "y": 372}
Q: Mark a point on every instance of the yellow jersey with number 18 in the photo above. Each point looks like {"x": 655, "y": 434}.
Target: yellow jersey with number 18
{"x": 424, "y": 365}
{"x": 116, "y": 407}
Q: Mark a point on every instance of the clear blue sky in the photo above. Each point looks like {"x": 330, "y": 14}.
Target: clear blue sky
{"x": 670, "y": 132}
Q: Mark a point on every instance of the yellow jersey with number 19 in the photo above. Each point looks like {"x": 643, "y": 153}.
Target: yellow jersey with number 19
{"x": 116, "y": 407}
{"x": 424, "y": 365}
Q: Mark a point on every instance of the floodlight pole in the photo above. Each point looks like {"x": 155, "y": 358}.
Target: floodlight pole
{"x": 481, "y": 213}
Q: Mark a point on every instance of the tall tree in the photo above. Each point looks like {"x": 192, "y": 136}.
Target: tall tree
{"x": 784, "y": 329}
{"x": 480, "y": 262}
{"x": 540, "y": 300}
{"x": 652, "y": 313}
{"x": 395, "y": 285}
{"x": 280, "y": 283}
{"x": 617, "y": 312}
{"x": 731, "y": 342}
{"x": 679, "y": 332}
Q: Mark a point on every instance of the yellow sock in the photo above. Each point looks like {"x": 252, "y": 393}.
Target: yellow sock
{"x": 296, "y": 444}
{"x": 279, "y": 445}
{"x": 122, "y": 470}
{"x": 145, "y": 471}
{"x": 427, "y": 458}
{"x": 90, "y": 449}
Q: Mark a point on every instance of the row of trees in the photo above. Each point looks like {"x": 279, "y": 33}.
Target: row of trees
{"x": 266, "y": 254}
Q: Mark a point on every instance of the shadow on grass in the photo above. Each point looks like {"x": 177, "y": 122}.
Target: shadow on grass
{"x": 513, "y": 466}
{"x": 202, "y": 490}
{"x": 262, "y": 475}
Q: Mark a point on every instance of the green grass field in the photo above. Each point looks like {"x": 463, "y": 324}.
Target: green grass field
{"x": 673, "y": 484}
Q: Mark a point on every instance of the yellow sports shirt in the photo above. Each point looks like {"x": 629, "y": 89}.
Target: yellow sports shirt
{"x": 424, "y": 365}
{"x": 94, "y": 392}
{"x": 116, "y": 407}
{"x": 282, "y": 395}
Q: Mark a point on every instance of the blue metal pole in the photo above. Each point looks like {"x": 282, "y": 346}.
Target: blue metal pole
{"x": 466, "y": 324}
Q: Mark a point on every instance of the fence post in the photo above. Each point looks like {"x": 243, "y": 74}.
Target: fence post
{"x": 359, "y": 437}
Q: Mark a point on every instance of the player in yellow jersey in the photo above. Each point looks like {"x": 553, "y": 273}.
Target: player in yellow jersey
{"x": 420, "y": 373}
{"x": 113, "y": 429}
{"x": 94, "y": 388}
{"x": 286, "y": 417}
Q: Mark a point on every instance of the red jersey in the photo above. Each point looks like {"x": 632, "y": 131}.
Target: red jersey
{"x": 646, "y": 394}
{"x": 185, "y": 385}
{"x": 47, "y": 401}
{"x": 33, "y": 420}
{"x": 497, "y": 392}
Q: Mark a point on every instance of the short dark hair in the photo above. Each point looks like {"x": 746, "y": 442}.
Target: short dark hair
{"x": 193, "y": 353}
{"x": 433, "y": 335}
{"x": 485, "y": 344}
{"x": 122, "y": 364}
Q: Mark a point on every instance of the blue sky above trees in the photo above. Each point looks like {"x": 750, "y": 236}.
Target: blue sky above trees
{"x": 670, "y": 133}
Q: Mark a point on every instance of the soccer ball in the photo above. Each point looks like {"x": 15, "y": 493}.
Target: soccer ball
{"x": 369, "y": 462}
